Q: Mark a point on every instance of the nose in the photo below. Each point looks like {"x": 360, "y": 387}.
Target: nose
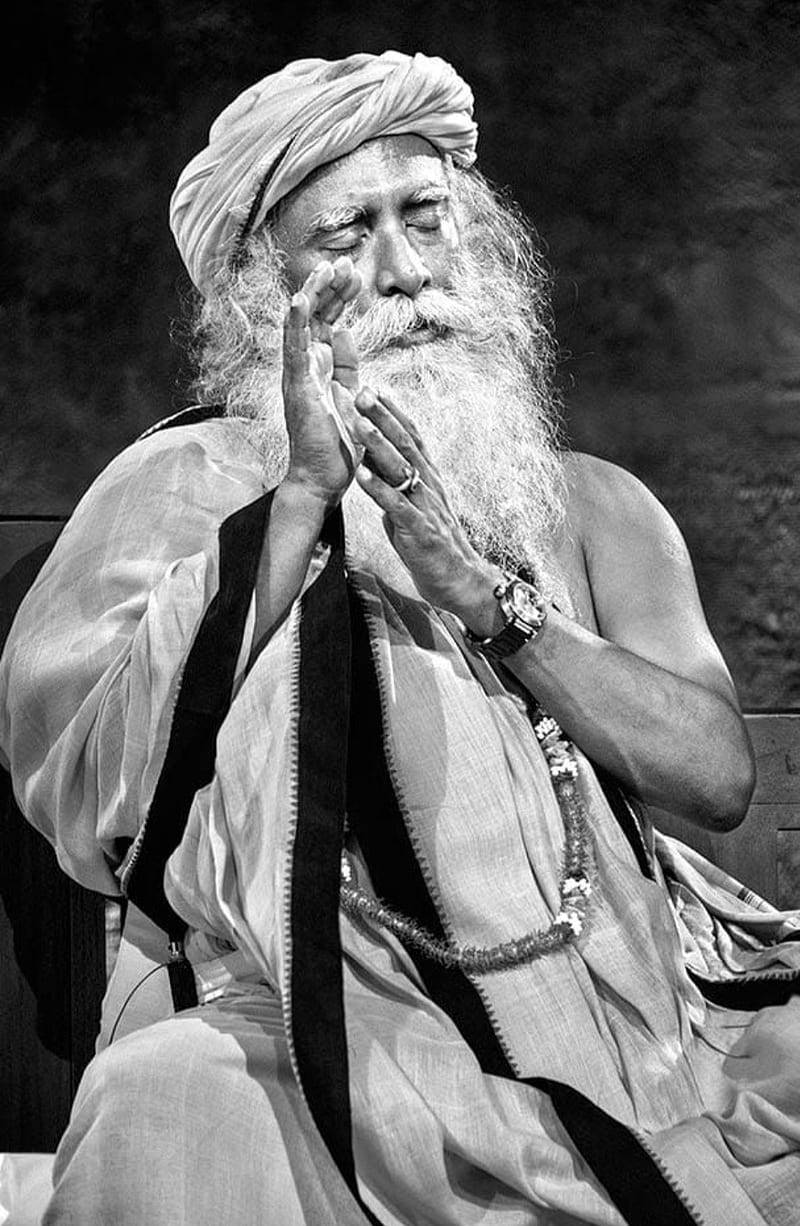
{"x": 399, "y": 267}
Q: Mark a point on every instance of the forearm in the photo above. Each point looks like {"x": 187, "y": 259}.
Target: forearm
{"x": 677, "y": 744}
{"x": 293, "y": 529}
{"x": 670, "y": 731}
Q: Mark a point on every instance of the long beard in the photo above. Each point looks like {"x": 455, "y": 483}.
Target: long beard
{"x": 471, "y": 387}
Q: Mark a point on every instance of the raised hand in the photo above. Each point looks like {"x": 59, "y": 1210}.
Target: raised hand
{"x": 420, "y": 523}
{"x": 320, "y": 379}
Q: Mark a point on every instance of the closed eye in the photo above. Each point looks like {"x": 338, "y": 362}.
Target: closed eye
{"x": 428, "y": 212}
{"x": 345, "y": 240}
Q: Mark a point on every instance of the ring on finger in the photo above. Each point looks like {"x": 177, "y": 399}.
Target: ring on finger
{"x": 410, "y": 483}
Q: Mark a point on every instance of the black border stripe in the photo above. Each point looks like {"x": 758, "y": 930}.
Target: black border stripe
{"x": 202, "y": 704}
{"x": 631, "y": 1177}
{"x": 318, "y": 1018}
{"x": 624, "y": 808}
{"x": 184, "y": 417}
{"x": 748, "y": 994}
{"x": 378, "y": 824}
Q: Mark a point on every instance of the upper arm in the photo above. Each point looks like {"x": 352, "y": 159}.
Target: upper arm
{"x": 640, "y": 574}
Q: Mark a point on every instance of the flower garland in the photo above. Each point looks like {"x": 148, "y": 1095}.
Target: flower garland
{"x": 574, "y": 887}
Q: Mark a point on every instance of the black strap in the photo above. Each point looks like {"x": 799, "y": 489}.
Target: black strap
{"x": 751, "y": 993}
{"x": 631, "y": 1177}
{"x": 182, "y": 986}
{"x": 636, "y": 1185}
{"x": 378, "y": 824}
{"x": 14, "y": 586}
{"x": 317, "y": 1014}
{"x": 202, "y": 704}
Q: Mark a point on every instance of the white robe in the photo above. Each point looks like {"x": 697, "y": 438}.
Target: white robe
{"x": 89, "y": 685}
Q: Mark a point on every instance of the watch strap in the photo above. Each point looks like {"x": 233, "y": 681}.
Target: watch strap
{"x": 518, "y": 629}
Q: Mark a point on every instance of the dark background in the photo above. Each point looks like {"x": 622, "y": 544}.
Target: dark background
{"x": 656, "y": 145}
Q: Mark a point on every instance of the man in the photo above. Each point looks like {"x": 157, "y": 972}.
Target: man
{"x": 319, "y": 685}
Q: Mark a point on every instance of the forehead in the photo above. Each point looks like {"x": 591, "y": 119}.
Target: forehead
{"x": 376, "y": 174}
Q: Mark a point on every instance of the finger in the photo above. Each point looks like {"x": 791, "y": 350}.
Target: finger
{"x": 421, "y": 457}
{"x": 400, "y": 510}
{"x": 343, "y": 288}
{"x": 371, "y": 408}
{"x": 343, "y": 403}
{"x": 382, "y": 457}
{"x": 296, "y": 334}
{"x": 345, "y": 360}
{"x": 410, "y": 427}
{"x": 316, "y": 285}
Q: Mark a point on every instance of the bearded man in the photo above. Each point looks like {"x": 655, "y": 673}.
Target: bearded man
{"x": 347, "y": 689}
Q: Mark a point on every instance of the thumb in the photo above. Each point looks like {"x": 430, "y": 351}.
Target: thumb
{"x": 345, "y": 420}
{"x": 345, "y": 360}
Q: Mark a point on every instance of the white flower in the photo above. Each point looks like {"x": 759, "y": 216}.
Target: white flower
{"x": 571, "y": 918}
{"x": 576, "y": 885}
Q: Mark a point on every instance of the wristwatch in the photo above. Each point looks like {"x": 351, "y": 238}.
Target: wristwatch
{"x": 524, "y": 612}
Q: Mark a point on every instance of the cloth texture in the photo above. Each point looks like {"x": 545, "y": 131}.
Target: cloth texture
{"x": 310, "y": 113}
{"x": 87, "y": 688}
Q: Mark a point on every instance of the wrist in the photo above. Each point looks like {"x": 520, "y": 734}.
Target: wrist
{"x": 523, "y": 613}
{"x": 306, "y": 499}
{"x": 476, "y": 603}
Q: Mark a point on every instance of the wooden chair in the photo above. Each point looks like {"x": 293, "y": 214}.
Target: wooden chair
{"x": 764, "y": 852}
{"x": 52, "y": 932}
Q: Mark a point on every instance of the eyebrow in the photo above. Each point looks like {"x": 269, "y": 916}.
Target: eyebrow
{"x": 331, "y": 220}
{"x": 429, "y": 193}
{"x": 334, "y": 219}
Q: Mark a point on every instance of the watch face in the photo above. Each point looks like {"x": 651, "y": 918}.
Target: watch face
{"x": 524, "y": 604}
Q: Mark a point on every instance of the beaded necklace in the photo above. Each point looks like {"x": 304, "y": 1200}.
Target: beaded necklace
{"x": 574, "y": 886}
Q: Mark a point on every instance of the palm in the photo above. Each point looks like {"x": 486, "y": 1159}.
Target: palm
{"x": 320, "y": 379}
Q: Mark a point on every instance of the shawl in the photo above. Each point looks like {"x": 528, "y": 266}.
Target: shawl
{"x": 590, "y": 1085}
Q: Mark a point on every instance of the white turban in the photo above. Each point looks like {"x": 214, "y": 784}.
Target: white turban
{"x": 283, "y": 127}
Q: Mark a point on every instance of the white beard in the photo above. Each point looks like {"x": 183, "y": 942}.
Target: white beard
{"x": 477, "y": 394}
{"x": 503, "y": 477}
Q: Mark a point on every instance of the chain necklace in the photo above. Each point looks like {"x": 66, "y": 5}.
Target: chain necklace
{"x": 574, "y": 886}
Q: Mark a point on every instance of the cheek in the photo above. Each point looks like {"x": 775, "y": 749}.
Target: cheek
{"x": 440, "y": 266}
{"x": 298, "y": 267}
{"x": 441, "y": 258}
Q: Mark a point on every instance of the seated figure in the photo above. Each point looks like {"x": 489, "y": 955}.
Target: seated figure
{"x": 358, "y": 685}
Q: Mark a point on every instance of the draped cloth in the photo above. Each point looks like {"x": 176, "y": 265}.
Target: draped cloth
{"x": 310, "y": 113}
{"x": 519, "y": 1096}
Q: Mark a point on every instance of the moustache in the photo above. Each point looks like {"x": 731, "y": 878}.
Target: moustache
{"x": 395, "y": 320}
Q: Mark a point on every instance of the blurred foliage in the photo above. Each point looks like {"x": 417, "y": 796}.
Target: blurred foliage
{"x": 656, "y": 143}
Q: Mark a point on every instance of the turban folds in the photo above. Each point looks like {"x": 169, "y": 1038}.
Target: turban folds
{"x": 311, "y": 112}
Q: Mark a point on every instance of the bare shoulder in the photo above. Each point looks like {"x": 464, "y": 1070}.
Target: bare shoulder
{"x": 608, "y": 508}
{"x": 639, "y": 572}
{"x": 598, "y": 487}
